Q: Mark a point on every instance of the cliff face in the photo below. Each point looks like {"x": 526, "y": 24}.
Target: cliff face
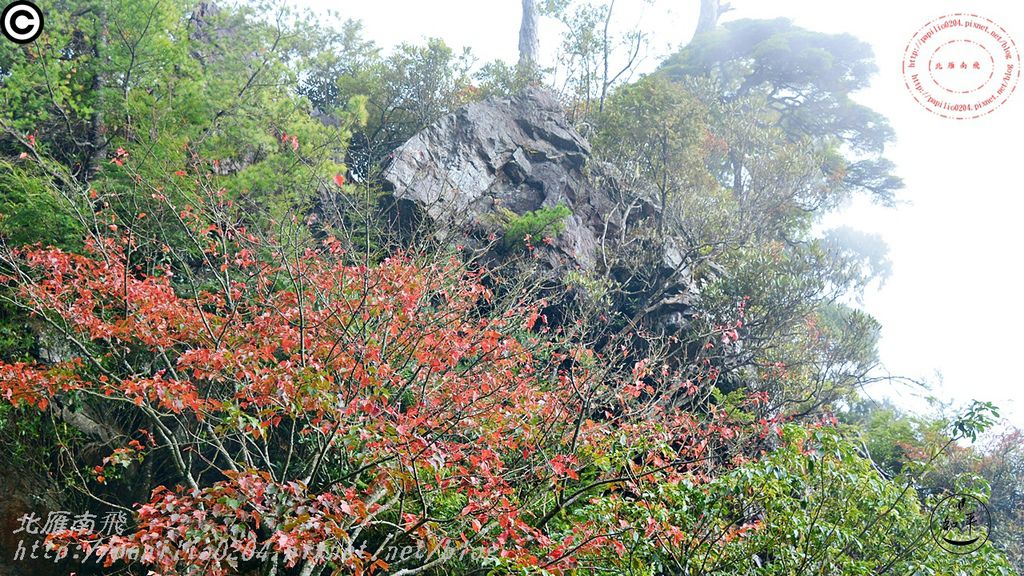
{"x": 469, "y": 171}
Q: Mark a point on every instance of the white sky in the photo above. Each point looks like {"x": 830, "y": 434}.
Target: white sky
{"x": 953, "y": 304}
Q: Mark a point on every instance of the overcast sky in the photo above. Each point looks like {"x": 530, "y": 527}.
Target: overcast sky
{"x": 953, "y": 304}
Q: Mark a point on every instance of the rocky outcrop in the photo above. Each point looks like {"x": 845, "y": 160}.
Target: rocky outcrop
{"x": 503, "y": 157}
{"x": 500, "y": 158}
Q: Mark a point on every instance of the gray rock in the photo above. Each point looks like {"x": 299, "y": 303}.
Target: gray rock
{"x": 470, "y": 170}
{"x": 508, "y": 154}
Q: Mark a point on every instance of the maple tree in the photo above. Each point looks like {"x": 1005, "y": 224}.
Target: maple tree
{"x": 325, "y": 409}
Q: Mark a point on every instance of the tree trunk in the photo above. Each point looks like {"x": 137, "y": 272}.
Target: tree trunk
{"x": 710, "y": 12}
{"x": 529, "y": 43}
{"x": 98, "y": 134}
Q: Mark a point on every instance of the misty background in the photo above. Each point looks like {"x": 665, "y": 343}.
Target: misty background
{"x": 950, "y": 308}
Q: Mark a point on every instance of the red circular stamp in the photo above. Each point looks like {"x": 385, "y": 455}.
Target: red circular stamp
{"x": 961, "y": 66}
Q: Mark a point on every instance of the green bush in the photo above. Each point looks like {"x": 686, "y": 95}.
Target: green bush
{"x": 535, "y": 224}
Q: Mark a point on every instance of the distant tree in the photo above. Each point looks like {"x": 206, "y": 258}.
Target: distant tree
{"x": 870, "y": 249}
{"x": 925, "y": 450}
{"x": 529, "y": 39}
{"x": 1002, "y": 465}
{"x": 650, "y": 130}
{"x": 401, "y": 93}
{"x": 751, "y": 241}
{"x": 710, "y": 12}
{"x": 594, "y": 57}
{"x": 743, "y": 140}
{"x": 805, "y": 79}
{"x": 348, "y": 53}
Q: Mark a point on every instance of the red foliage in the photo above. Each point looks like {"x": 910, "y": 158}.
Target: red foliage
{"x": 313, "y": 407}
